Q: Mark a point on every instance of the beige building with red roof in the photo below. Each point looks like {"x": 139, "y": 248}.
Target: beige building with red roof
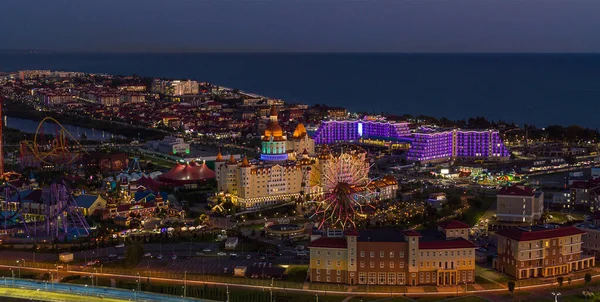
{"x": 519, "y": 204}
{"x": 395, "y": 257}
{"x": 541, "y": 252}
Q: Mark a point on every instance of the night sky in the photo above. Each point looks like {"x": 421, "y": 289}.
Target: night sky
{"x": 301, "y": 26}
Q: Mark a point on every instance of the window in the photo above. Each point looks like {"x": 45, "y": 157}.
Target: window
{"x": 318, "y": 262}
{"x": 372, "y": 264}
{"x": 372, "y": 254}
{"x": 328, "y": 262}
{"x": 381, "y": 254}
{"x": 318, "y": 271}
{"x": 328, "y": 279}
{"x": 362, "y": 254}
{"x": 372, "y": 278}
{"x": 401, "y": 264}
{"x": 339, "y": 279}
{"x": 328, "y": 271}
{"x": 362, "y": 264}
{"x": 362, "y": 278}
{"x": 318, "y": 252}
{"x": 318, "y": 278}
{"x": 339, "y": 272}
{"x": 414, "y": 263}
{"x": 339, "y": 263}
{"x": 391, "y": 278}
{"x": 339, "y": 253}
{"x": 391, "y": 264}
{"x": 328, "y": 253}
{"x": 351, "y": 262}
{"x": 421, "y": 278}
{"x": 401, "y": 254}
{"x": 381, "y": 278}
{"x": 401, "y": 278}
{"x": 391, "y": 254}
{"x": 381, "y": 265}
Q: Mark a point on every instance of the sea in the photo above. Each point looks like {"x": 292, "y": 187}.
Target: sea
{"x": 535, "y": 89}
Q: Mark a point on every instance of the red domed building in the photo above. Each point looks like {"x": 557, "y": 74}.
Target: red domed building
{"x": 188, "y": 175}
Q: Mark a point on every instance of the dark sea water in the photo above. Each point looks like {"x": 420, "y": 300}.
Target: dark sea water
{"x": 538, "y": 89}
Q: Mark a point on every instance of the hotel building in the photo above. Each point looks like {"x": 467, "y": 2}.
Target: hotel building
{"x": 362, "y": 131}
{"x": 394, "y": 257}
{"x": 541, "y": 252}
{"x": 434, "y": 145}
{"x": 286, "y": 171}
{"x": 519, "y": 204}
{"x": 424, "y": 144}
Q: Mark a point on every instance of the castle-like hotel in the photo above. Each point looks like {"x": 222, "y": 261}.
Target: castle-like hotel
{"x": 289, "y": 169}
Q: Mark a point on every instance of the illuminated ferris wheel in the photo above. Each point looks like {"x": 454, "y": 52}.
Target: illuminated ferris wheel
{"x": 343, "y": 175}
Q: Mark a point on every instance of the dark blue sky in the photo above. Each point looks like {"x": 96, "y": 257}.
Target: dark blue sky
{"x": 302, "y": 26}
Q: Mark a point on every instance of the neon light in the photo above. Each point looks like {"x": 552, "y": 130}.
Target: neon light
{"x": 360, "y": 129}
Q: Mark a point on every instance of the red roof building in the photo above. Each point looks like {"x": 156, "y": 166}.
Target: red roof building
{"x": 541, "y": 252}
{"x": 186, "y": 174}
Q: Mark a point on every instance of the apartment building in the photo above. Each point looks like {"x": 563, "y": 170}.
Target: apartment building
{"x": 541, "y": 252}
{"x": 519, "y": 204}
{"x": 395, "y": 257}
{"x": 591, "y": 238}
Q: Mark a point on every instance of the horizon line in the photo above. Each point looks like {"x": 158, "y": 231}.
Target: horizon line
{"x": 41, "y": 51}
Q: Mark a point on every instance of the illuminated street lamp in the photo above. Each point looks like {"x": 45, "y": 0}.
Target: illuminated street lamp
{"x": 555, "y": 294}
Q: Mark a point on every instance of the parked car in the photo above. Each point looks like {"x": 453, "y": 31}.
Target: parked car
{"x": 206, "y": 250}
{"x": 120, "y": 245}
{"x": 147, "y": 255}
{"x": 221, "y": 254}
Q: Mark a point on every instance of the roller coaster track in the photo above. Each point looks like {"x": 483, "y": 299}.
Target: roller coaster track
{"x": 58, "y": 151}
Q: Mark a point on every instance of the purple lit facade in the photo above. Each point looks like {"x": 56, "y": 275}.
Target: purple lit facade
{"x": 342, "y": 131}
{"x": 432, "y": 145}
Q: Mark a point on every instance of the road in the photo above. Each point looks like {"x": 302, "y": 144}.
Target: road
{"x": 446, "y": 291}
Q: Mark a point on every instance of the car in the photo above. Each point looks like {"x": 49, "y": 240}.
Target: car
{"x": 199, "y": 254}
{"x": 121, "y": 257}
{"x": 263, "y": 257}
{"x": 221, "y": 254}
{"x": 112, "y": 256}
{"x": 159, "y": 256}
{"x": 121, "y": 245}
{"x": 174, "y": 257}
{"x": 248, "y": 257}
{"x": 147, "y": 255}
{"x": 233, "y": 254}
{"x": 206, "y": 250}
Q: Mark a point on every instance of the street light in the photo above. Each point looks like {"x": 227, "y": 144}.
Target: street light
{"x": 555, "y": 294}
{"x": 184, "y": 283}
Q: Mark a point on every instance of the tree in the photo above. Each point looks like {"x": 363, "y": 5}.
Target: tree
{"x": 511, "y": 287}
{"x": 587, "y": 278}
{"x": 560, "y": 281}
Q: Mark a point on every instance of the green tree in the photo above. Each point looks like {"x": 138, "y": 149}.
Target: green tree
{"x": 587, "y": 278}
{"x": 511, "y": 287}
{"x": 560, "y": 281}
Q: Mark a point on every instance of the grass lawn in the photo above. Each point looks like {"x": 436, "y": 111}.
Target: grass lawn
{"x": 296, "y": 273}
{"x": 491, "y": 275}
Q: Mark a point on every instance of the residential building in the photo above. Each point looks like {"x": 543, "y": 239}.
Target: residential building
{"x": 541, "y": 252}
{"x": 591, "y": 238}
{"x": 87, "y": 204}
{"x": 394, "y": 257}
{"x": 585, "y": 194}
{"x": 519, "y": 204}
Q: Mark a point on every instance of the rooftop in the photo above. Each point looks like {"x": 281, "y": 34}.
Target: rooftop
{"x": 517, "y": 191}
{"x": 380, "y": 235}
{"x": 538, "y": 233}
{"x": 324, "y": 242}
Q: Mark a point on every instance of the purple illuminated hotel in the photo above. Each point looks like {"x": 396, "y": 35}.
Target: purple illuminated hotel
{"x": 331, "y": 132}
{"x": 430, "y": 145}
{"x": 426, "y": 144}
